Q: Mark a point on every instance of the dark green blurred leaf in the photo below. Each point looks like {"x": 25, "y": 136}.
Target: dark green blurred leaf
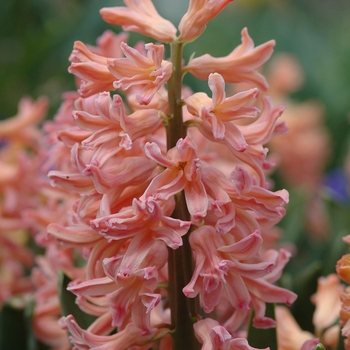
{"x": 16, "y": 329}
{"x": 320, "y": 347}
{"x": 68, "y": 305}
{"x": 293, "y": 223}
{"x": 32, "y": 343}
{"x": 305, "y": 285}
{"x": 262, "y": 338}
{"x": 13, "y": 330}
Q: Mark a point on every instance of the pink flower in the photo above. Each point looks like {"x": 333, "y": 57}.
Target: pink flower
{"x": 14, "y": 258}
{"x": 327, "y": 302}
{"x": 199, "y": 13}
{"x": 91, "y": 69}
{"x": 183, "y": 172}
{"x": 144, "y": 216}
{"x": 217, "y": 113}
{"x": 129, "y": 283}
{"x": 239, "y": 66}
{"x": 78, "y": 235}
{"x": 264, "y": 202}
{"x": 21, "y": 155}
{"x": 217, "y": 121}
{"x": 311, "y": 150}
{"x": 290, "y": 336}
{"x": 47, "y": 310}
{"x": 109, "y": 129}
{"x": 142, "y": 17}
{"x": 124, "y": 339}
{"x": 148, "y": 72}
{"x": 137, "y": 280}
{"x": 108, "y": 44}
{"x": 216, "y": 271}
{"x": 113, "y": 176}
{"x": 74, "y": 182}
{"x": 21, "y": 125}
{"x": 213, "y": 336}
{"x": 262, "y": 290}
{"x": 245, "y": 194}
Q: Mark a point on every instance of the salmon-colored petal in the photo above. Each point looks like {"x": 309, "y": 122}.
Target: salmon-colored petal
{"x": 141, "y": 17}
{"x": 241, "y": 65}
{"x": 199, "y": 13}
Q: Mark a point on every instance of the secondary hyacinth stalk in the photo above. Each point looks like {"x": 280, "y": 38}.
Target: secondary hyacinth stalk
{"x": 171, "y": 199}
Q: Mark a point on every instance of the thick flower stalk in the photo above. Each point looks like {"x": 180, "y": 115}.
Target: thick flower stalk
{"x": 168, "y": 198}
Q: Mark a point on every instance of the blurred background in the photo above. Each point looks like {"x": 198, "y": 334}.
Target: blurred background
{"x": 36, "y": 38}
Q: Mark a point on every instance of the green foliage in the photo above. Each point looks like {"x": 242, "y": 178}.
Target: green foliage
{"x": 16, "y": 329}
{"x": 13, "y": 328}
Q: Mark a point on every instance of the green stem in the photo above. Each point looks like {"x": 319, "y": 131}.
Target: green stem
{"x": 180, "y": 263}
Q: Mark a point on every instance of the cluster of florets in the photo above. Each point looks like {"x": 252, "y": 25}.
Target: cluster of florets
{"x": 117, "y": 181}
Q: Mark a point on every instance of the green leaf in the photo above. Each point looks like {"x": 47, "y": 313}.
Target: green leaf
{"x": 32, "y": 343}
{"x": 293, "y": 223}
{"x": 13, "y": 330}
{"x": 68, "y": 305}
{"x": 305, "y": 285}
{"x": 263, "y": 338}
{"x": 16, "y": 328}
{"x": 320, "y": 347}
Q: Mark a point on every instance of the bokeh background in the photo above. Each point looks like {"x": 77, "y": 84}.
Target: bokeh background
{"x": 36, "y": 38}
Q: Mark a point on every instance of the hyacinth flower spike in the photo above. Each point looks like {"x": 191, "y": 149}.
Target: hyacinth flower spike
{"x": 168, "y": 237}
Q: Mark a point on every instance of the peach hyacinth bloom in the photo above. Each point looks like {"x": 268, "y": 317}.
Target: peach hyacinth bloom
{"x": 20, "y": 158}
{"x": 47, "y": 309}
{"x": 217, "y": 121}
{"x": 148, "y": 71}
{"x": 89, "y": 63}
{"x": 213, "y": 336}
{"x": 307, "y": 132}
{"x": 343, "y": 267}
{"x": 241, "y": 65}
{"x": 345, "y": 316}
{"x": 91, "y": 69}
{"x": 23, "y": 126}
{"x": 327, "y": 300}
{"x": 199, "y": 13}
{"x": 127, "y": 338}
{"x": 289, "y": 335}
{"x": 142, "y": 17}
{"x": 309, "y": 137}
